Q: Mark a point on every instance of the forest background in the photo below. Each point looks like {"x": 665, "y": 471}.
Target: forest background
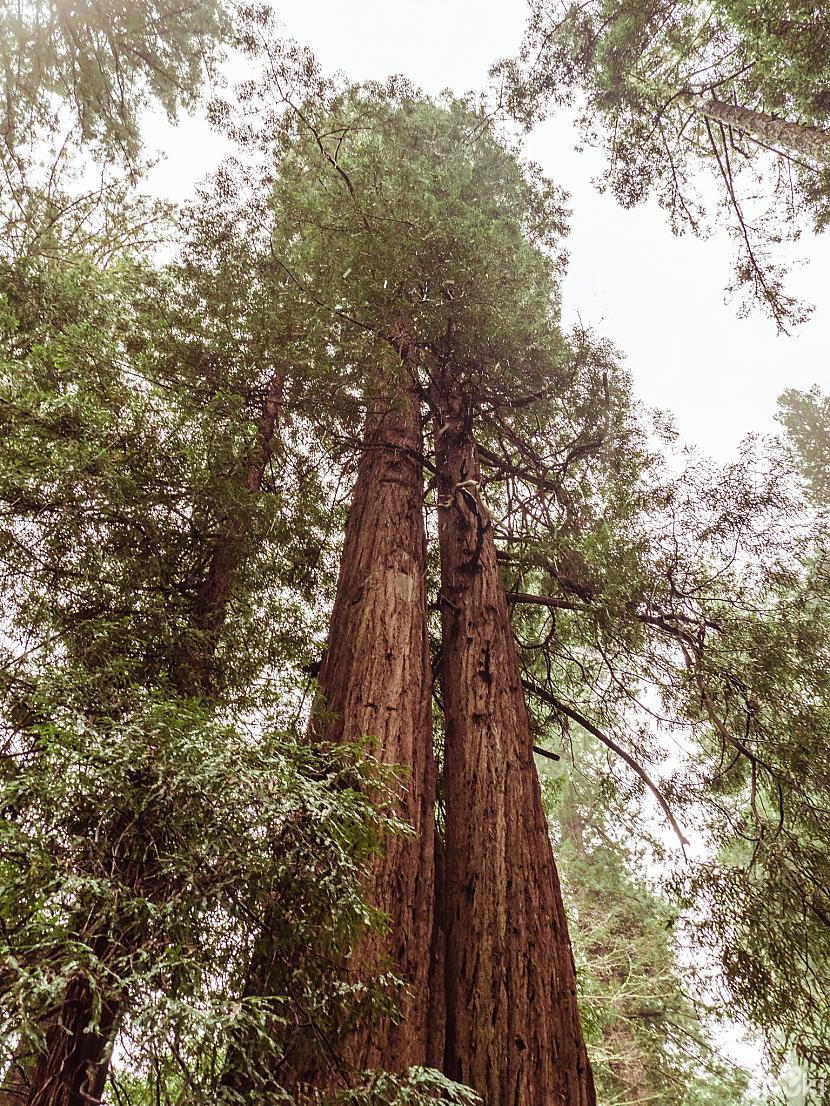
{"x": 657, "y": 297}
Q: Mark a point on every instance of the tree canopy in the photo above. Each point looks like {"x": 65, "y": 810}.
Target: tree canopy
{"x": 735, "y": 89}
{"x": 188, "y": 847}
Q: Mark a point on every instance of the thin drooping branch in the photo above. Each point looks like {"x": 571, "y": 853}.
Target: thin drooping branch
{"x": 760, "y": 276}
{"x": 501, "y": 464}
{"x": 662, "y": 621}
{"x": 580, "y": 719}
{"x": 552, "y": 601}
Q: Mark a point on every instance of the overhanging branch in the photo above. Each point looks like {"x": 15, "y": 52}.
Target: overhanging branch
{"x": 575, "y": 716}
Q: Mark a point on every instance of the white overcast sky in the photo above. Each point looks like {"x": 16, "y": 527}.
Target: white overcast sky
{"x": 659, "y": 298}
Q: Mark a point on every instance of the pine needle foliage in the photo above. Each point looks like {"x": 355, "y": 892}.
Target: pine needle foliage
{"x": 717, "y": 108}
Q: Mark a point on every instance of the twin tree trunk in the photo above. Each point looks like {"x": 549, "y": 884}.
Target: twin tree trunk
{"x": 73, "y": 1066}
{"x": 375, "y": 681}
{"x": 503, "y": 1017}
{"x": 512, "y": 1026}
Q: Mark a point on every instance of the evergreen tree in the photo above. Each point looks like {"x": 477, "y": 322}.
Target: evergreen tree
{"x": 239, "y": 890}
{"x": 709, "y": 641}
{"x": 446, "y": 277}
{"x": 650, "y": 1038}
{"x": 735, "y": 87}
{"x": 146, "y": 824}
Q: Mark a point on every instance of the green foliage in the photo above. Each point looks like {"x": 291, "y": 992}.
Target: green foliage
{"x": 106, "y": 62}
{"x": 419, "y": 1087}
{"x": 148, "y": 831}
{"x": 682, "y": 623}
{"x": 137, "y": 849}
{"x": 805, "y": 417}
{"x": 647, "y": 1039}
{"x": 789, "y": 50}
{"x": 634, "y": 69}
{"x": 470, "y": 231}
{"x": 75, "y": 79}
{"x": 156, "y": 833}
{"x": 127, "y": 423}
{"x": 761, "y": 900}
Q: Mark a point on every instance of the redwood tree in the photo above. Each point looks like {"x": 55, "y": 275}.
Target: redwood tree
{"x": 375, "y": 682}
{"x": 513, "y": 1029}
{"x": 74, "y": 1063}
{"x": 419, "y": 212}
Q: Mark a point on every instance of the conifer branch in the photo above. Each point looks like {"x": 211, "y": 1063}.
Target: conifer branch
{"x": 575, "y": 716}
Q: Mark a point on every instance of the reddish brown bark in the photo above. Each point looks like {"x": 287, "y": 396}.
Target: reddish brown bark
{"x": 73, "y": 1066}
{"x": 375, "y": 680}
{"x": 73, "y": 1069}
{"x": 513, "y": 1030}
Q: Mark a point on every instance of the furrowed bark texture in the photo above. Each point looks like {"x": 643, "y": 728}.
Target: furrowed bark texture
{"x": 437, "y": 998}
{"x": 73, "y": 1067}
{"x": 801, "y": 138}
{"x": 73, "y": 1070}
{"x": 513, "y": 1030}
{"x": 375, "y": 680}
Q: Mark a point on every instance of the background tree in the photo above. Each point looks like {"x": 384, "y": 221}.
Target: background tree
{"x": 709, "y": 650}
{"x": 805, "y": 417}
{"x": 675, "y": 88}
{"x": 76, "y": 79}
{"x": 649, "y": 1038}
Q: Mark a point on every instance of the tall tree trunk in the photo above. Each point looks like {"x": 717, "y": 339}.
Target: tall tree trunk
{"x": 375, "y": 680}
{"x": 800, "y": 138}
{"x": 72, "y": 1069}
{"x": 513, "y": 1030}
